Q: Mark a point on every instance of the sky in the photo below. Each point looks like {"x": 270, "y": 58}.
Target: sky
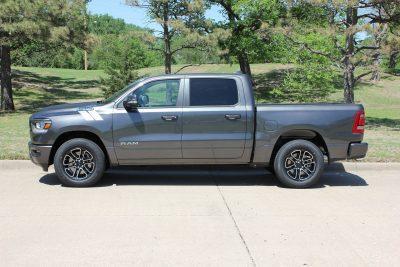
{"x": 137, "y": 16}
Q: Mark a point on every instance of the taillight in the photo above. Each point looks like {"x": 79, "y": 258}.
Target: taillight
{"x": 359, "y": 122}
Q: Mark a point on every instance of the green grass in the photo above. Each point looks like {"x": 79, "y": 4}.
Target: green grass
{"x": 14, "y": 136}
{"x": 214, "y": 68}
{"x": 35, "y": 88}
{"x": 382, "y": 107}
{"x": 38, "y": 87}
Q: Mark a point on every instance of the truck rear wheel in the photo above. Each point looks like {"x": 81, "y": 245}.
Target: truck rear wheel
{"x": 299, "y": 164}
{"x": 79, "y": 162}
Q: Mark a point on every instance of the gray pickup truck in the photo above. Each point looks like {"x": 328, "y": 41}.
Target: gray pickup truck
{"x": 194, "y": 119}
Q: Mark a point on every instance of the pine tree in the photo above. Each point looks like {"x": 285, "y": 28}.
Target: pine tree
{"x": 179, "y": 20}
{"x": 245, "y": 17}
{"x": 25, "y": 20}
{"x": 347, "y": 19}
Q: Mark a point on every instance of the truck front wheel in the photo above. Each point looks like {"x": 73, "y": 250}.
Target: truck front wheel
{"x": 79, "y": 162}
{"x": 299, "y": 164}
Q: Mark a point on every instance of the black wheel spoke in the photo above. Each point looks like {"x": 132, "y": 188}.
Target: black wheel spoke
{"x": 307, "y": 171}
{"x": 88, "y": 168}
{"x": 76, "y": 173}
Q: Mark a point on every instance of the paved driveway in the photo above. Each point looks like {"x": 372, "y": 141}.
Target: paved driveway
{"x": 200, "y": 216}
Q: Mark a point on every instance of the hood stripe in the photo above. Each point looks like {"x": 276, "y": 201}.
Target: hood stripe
{"x": 86, "y": 115}
{"x": 95, "y": 115}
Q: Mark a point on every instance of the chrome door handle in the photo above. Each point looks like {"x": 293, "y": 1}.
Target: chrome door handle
{"x": 169, "y": 117}
{"x": 232, "y": 117}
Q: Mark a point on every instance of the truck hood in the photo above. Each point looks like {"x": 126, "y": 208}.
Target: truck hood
{"x": 64, "y": 109}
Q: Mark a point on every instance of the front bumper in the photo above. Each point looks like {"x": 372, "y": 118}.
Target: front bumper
{"x": 40, "y": 155}
{"x": 357, "y": 150}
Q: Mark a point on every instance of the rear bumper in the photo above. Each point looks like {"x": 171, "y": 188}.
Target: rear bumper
{"x": 357, "y": 150}
{"x": 40, "y": 155}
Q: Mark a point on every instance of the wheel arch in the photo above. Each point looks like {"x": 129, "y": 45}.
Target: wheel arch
{"x": 294, "y": 134}
{"x": 62, "y": 138}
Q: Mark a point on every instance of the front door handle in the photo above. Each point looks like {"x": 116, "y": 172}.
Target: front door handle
{"x": 169, "y": 117}
{"x": 232, "y": 117}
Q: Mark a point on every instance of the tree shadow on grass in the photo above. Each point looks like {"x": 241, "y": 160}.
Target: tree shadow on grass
{"x": 266, "y": 82}
{"x": 33, "y": 91}
{"x": 31, "y": 101}
{"x": 23, "y": 78}
{"x": 374, "y": 123}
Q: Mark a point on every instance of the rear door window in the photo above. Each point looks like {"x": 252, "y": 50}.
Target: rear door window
{"x": 213, "y": 92}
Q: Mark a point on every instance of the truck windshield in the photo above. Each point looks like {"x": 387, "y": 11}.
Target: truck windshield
{"x": 117, "y": 94}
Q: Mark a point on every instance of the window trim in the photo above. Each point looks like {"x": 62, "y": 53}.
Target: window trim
{"x": 186, "y": 103}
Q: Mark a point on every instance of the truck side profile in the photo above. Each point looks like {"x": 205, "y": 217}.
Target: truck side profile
{"x": 194, "y": 119}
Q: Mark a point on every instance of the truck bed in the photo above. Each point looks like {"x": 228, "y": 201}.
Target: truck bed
{"x": 332, "y": 121}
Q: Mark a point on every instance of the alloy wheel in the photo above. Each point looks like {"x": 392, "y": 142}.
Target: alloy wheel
{"x": 300, "y": 165}
{"x": 78, "y": 164}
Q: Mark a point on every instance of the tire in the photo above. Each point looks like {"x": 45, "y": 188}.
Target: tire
{"x": 299, "y": 164}
{"x": 79, "y": 163}
{"x": 270, "y": 168}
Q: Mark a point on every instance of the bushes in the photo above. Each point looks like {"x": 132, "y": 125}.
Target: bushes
{"x": 116, "y": 51}
{"x": 48, "y": 55}
{"x": 309, "y": 82}
{"x": 117, "y": 80}
{"x": 126, "y": 55}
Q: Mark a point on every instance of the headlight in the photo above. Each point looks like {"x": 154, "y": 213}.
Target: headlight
{"x": 44, "y": 124}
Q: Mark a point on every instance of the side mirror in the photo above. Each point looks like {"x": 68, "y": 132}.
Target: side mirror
{"x": 131, "y": 104}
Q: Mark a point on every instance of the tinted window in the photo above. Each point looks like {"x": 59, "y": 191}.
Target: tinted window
{"x": 213, "y": 92}
{"x": 158, "y": 93}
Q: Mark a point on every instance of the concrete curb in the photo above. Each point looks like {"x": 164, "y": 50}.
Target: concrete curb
{"x": 362, "y": 166}
{"x": 334, "y": 167}
{"x": 17, "y": 165}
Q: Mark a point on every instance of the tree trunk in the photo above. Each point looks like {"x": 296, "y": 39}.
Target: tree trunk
{"x": 168, "y": 62}
{"x": 236, "y": 34}
{"x": 167, "y": 40}
{"x": 1, "y": 87}
{"x": 244, "y": 64}
{"x": 85, "y": 59}
{"x": 393, "y": 59}
{"x": 348, "y": 66}
{"x": 348, "y": 83}
{"x": 376, "y": 74}
{"x": 7, "y": 102}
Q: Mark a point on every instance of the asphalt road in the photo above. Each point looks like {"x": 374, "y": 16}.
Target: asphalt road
{"x": 200, "y": 216}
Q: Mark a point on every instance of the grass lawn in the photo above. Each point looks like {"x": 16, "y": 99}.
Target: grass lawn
{"x": 39, "y": 87}
{"x": 382, "y": 105}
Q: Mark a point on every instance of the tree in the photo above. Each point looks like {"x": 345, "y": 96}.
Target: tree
{"x": 86, "y": 44}
{"x": 378, "y": 32}
{"x": 348, "y": 20}
{"x": 131, "y": 55}
{"x": 179, "y": 19}
{"x": 42, "y": 53}
{"x": 245, "y": 17}
{"x": 392, "y": 44}
{"x": 105, "y": 24}
{"x": 22, "y": 21}
{"x": 393, "y": 58}
{"x": 115, "y": 51}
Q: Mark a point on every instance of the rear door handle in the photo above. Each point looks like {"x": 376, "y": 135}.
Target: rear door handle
{"x": 232, "y": 117}
{"x": 169, "y": 117}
